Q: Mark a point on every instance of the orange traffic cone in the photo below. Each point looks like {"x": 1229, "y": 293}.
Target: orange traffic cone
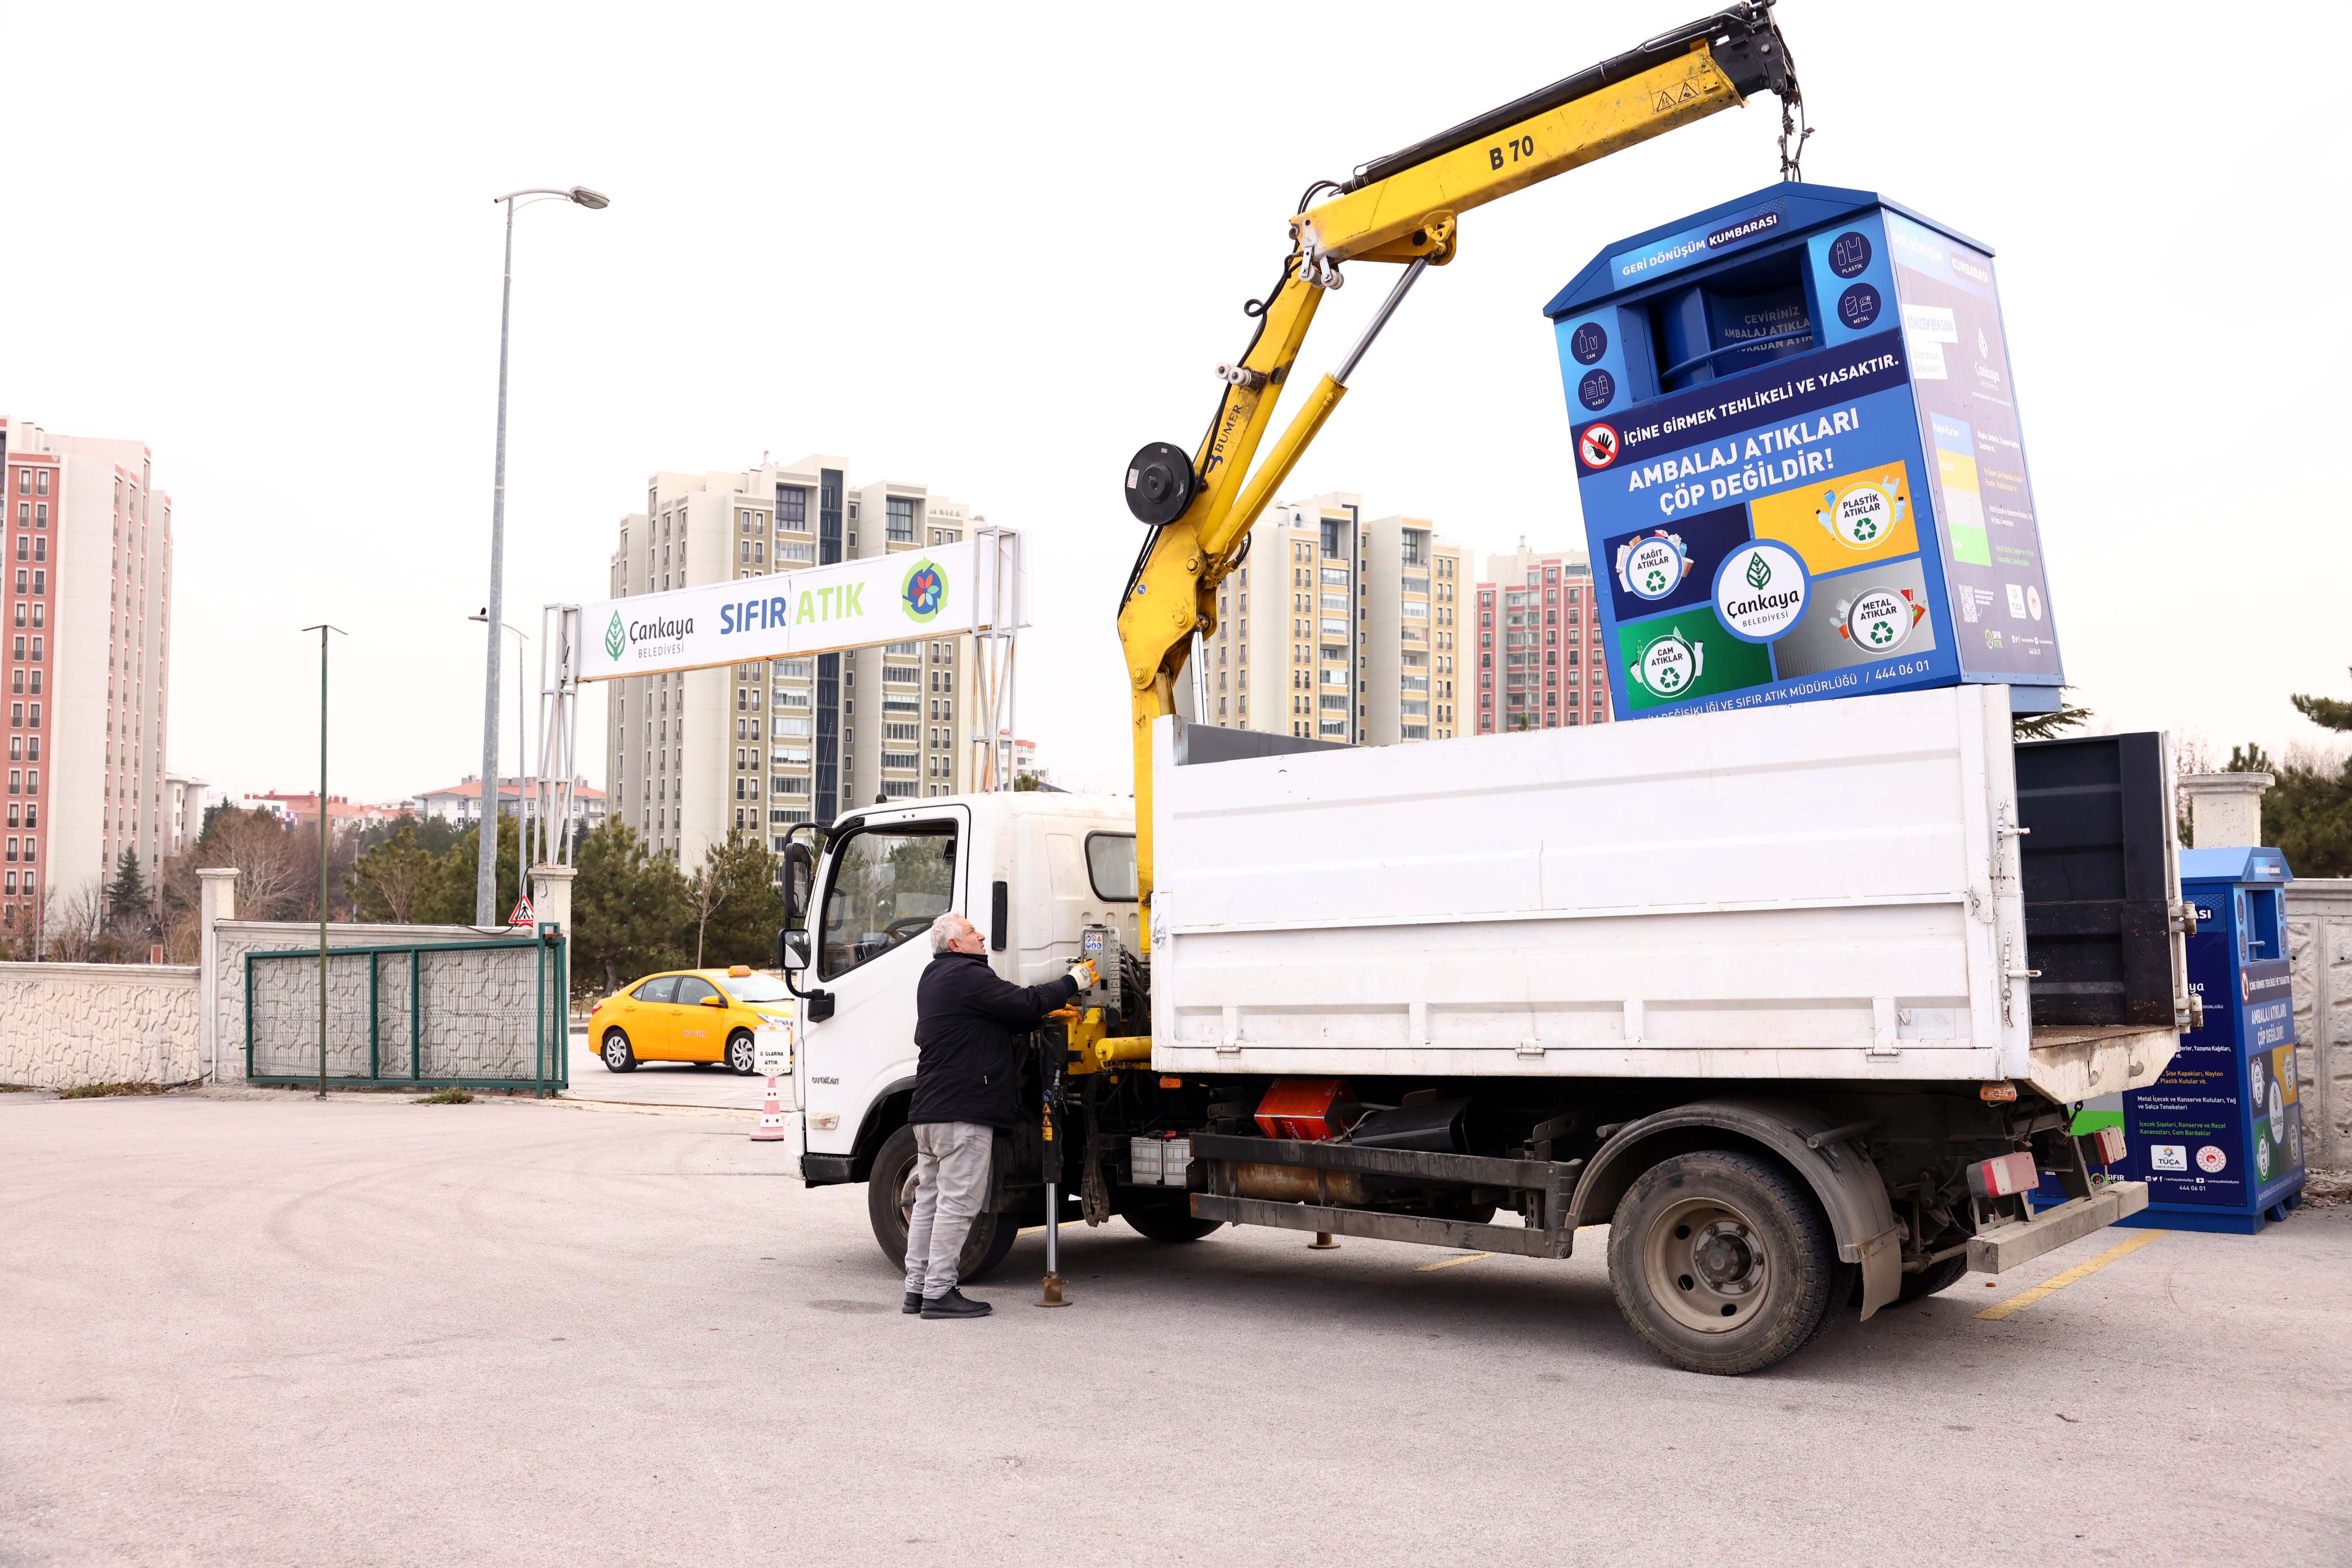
{"x": 771, "y": 1119}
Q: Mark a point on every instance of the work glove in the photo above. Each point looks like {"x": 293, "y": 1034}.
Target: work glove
{"x": 1083, "y": 976}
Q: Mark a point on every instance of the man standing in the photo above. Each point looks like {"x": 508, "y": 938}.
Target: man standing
{"x": 968, "y": 1025}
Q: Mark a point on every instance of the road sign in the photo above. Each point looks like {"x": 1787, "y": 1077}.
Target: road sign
{"x": 946, "y": 589}
{"x": 771, "y": 1050}
{"x": 523, "y": 913}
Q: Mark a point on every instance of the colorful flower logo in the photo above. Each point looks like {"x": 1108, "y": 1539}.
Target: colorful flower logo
{"x": 923, "y": 591}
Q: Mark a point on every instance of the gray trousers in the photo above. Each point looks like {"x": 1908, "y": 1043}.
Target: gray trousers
{"x": 951, "y": 1177}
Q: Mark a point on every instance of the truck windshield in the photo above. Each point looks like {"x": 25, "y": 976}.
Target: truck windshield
{"x": 888, "y": 884}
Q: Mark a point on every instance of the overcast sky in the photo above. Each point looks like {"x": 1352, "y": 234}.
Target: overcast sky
{"x": 993, "y": 249}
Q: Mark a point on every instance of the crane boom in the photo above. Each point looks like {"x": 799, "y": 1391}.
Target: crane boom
{"x": 1402, "y": 208}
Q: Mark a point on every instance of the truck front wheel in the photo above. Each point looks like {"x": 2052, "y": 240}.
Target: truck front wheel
{"x": 1722, "y": 1261}
{"x": 890, "y": 1205}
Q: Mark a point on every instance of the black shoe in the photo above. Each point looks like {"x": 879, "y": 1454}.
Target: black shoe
{"x": 954, "y": 1304}
{"x": 914, "y": 1303}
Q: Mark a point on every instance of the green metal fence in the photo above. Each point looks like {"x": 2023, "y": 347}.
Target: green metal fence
{"x": 487, "y": 1014}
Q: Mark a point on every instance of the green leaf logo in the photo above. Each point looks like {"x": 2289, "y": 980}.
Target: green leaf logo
{"x": 1759, "y": 573}
{"x": 616, "y": 637}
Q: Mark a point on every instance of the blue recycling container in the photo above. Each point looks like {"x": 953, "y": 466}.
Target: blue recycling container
{"x": 1800, "y": 461}
{"x": 2219, "y": 1138}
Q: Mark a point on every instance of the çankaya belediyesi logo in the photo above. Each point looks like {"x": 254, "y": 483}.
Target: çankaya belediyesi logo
{"x": 1669, "y": 664}
{"x": 1761, "y": 591}
{"x": 669, "y": 630}
{"x": 924, "y": 592}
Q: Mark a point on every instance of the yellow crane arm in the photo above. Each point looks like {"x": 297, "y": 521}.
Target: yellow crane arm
{"x": 1401, "y": 208}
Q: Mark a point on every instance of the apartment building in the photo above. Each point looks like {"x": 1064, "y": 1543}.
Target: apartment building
{"x": 184, "y": 811}
{"x": 1540, "y": 660}
{"x": 462, "y": 801}
{"x": 696, "y": 758}
{"x": 88, "y": 549}
{"x": 1349, "y": 634}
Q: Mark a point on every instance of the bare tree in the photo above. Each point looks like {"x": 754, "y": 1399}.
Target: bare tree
{"x": 708, "y": 894}
{"x": 76, "y": 926}
{"x": 274, "y": 865}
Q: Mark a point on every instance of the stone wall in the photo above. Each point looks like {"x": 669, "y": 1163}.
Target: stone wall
{"x": 2319, "y": 953}
{"x": 478, "y": 1006}
{"x": 63, "y": 1026}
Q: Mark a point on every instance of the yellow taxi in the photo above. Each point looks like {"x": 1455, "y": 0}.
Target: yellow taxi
{"x": 689, "y": 1015}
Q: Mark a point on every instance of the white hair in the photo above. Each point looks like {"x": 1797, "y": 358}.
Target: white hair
{"x": 944, "y": 932}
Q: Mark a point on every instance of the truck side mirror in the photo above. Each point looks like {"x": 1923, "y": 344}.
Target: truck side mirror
{"x": 798, "y": 875}
{"x": 792, "y": 950}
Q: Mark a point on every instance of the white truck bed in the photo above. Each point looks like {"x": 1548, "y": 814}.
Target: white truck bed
{"x": 1821, "y": 890}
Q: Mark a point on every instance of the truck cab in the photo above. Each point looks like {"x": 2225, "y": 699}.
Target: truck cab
{"x": 1032, "y": 869}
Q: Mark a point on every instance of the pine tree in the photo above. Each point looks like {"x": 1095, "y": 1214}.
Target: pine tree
{"x": 129, "y": 901}
{"x": 2049, "y": 726}
{"x": 2327, "y": 713}
{"x": 629, "y": 908}
{"x": 2307, "y": 813}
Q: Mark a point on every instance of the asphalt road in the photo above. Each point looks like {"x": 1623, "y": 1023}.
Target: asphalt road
{"x": 272, "y": 1330}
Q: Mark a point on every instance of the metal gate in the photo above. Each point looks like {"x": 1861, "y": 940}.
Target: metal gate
{"x": 480, "y": 1015}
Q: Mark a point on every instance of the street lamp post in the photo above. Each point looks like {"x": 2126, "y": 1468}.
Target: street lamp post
{"x": 323, "y": 631}
{"x": 485, "y": 874}
{"x": 522, "y": 765}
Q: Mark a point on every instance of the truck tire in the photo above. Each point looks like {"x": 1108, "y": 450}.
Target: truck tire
{"x": 890, "y": 1198}
{"x": 1722, "y": 1261}
{"x": 1920, "y": 1286}
{"x": 1934, "y": 1278}
{"x": 1168, "y": 1222}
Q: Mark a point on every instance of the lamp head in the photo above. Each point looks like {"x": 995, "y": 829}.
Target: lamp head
{"x": 592, "y": 200}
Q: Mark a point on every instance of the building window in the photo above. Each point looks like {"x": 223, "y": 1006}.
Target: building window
{"x": 792, "y": 507}
{"x": 901, "y": 520}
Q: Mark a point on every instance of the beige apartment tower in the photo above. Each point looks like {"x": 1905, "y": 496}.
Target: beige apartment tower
{"x": 696, "y": 758}
{"x": 1336, "y": 629}
{"x": 88, "y": 554}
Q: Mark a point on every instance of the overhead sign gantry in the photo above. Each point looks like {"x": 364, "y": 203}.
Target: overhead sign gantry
{"x": 976, "y": 588}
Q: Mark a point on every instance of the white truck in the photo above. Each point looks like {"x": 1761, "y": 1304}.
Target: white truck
{"x": 1797, "y": 1001}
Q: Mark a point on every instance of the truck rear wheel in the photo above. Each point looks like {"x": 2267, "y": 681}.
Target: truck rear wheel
{"x": 1168, "y": 1222}
{"x": 1722, "y": 1261}
{"x": 890, "y": 1205}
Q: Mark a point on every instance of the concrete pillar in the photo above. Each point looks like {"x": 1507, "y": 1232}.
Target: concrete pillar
{"x": 215, "y": 902}
{"x": 550, "y": 899}
{"x": 2225, "y": 810}
{"x": 551, "y": 895}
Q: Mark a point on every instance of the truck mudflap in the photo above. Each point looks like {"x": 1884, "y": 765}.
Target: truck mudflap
{"x": 1830, "y": 1158}
{"x": 2020, "y": 1241}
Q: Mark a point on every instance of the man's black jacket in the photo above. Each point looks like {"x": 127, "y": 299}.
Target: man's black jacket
{"x": 967, "y": 1024}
